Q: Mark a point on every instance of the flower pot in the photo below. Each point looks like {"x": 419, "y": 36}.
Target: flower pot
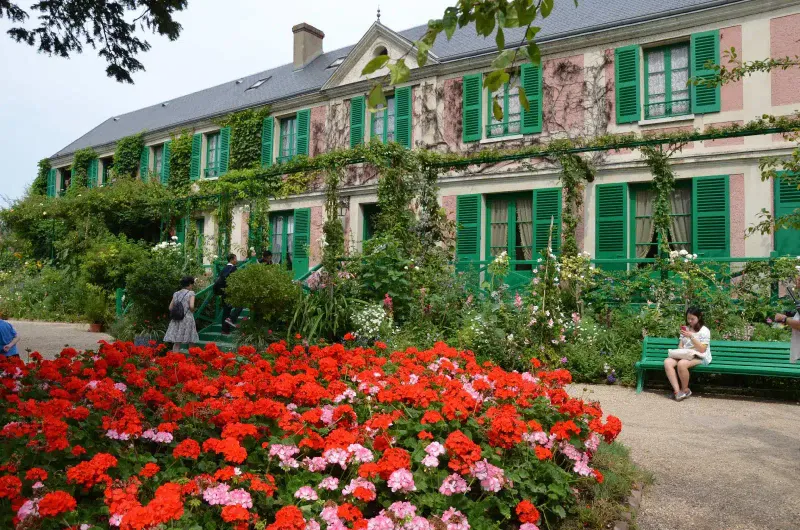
{"x": 95, "y": 327}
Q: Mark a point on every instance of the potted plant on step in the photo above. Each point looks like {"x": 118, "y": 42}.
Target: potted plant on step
{"x": 95, "y": 307}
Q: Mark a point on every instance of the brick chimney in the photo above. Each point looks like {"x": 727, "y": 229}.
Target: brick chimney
{"x": 307, "y": 44}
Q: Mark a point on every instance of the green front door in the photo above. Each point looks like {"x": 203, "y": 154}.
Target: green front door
{"x": 509, "y": 229}
{"x": 282, "y": 237}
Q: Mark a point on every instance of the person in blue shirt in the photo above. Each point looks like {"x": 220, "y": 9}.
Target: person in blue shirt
{"x": 8, "y": 339}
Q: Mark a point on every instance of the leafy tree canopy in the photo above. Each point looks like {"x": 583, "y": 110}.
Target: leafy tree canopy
{"x": 63, "y": 27}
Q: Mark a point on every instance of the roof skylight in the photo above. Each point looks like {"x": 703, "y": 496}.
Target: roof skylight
{"x": 259, "y": 83}
{"x": 336, "y": 63}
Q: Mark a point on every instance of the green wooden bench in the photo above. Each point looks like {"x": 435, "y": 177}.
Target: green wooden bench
{"x": 727, "y": 357}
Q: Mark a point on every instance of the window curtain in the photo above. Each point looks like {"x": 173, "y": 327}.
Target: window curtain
{"x": 681, "y": 225}
{"x": 645, "y": 228}
{"x": 525, "y": 228}
{"x": 498, "y": 211}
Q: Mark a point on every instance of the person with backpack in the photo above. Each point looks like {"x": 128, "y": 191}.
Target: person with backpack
{"x": 182, "y": 328}
{"x": 229, "y": 314}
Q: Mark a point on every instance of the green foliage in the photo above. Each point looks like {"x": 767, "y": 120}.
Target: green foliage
{"x": 64, "y": 27}
{"x": 575, "y": 171}
{"x": 326, "y": 313}
{"x": 332, "y": 230}
{"x": 96, "y": 304}
{"x": 245, "y": 145}
{"x": 385, "y": 269}
{"x": 657, "y": 159}
{"x": 39, "y": 185}
{"x": 41, "y": 292}
{"x": 108, "y": 261}
{"x": 180, "y": 161}
{"x": 268, "y": 291}
{"x": 80, "y": 168}
{"x": 128, "y": 155}
{"x": 151, "y": 284}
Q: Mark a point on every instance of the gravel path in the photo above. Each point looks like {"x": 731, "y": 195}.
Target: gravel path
{"x": 720, "y": 463}
{"x": 49, "y": 338}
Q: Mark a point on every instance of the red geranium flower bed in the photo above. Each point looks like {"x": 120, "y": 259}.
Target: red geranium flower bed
{"x": 291, "y": 438}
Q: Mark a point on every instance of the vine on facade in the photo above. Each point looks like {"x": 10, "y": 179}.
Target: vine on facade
{"x": 575, "y": 172}
{"x": 180, "y": 161}
{"x": 657, "y": 159}
{"x": 332, "y": 229}
{"x": 245, "y": 143}
{"x": 80, "y": 167}
{"x": 39, "y": 185}
{"x": 127, "y": 155}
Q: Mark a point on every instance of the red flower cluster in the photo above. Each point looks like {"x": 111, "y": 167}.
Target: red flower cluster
{"x": 56, "y": 503}
{"x": 463, "y": 452}
{"x": 92, "y": 472}
{"x": 527, "y": 512}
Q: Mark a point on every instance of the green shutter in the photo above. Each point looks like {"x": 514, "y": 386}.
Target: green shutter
{"x": 165, "y": 154}
{"x": 303, "y": 124}
{"x": 787, "y": 202}
{"x": 266, "y": 141}
{"x": 710, "y": 217}
{"x": 180, "y": 230}
{"x": 402, "y": 116}
{"x": 704, "y": 48}
{"x": 51, "y": 183}
{"x": 197, "y": 150}
{"x": 611, "y": 227}
{"x": 144, "y": 163}
{"x": 91, "y": 174}
{"x": 472, "y": 96}
{"x": 546, "y": 209}
{"x": 468, "y": 232}
{"x": 531, "y": 80}
{"x": 302, "y": 239}
{"x": 626, "y": 84}
{"x": 224, "y": 151}
{"x": 356, "y": 121}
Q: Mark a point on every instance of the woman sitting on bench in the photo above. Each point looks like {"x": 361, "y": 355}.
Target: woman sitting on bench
{"x": 694, "y": 349}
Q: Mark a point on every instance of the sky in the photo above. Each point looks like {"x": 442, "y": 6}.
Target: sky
{"x": 47, "y": 102}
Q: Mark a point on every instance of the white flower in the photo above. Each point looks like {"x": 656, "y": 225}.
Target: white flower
{"x": 174, "y": 238}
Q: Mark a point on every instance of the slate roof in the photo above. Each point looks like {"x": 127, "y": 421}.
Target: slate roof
{"x": 285, "y": 82}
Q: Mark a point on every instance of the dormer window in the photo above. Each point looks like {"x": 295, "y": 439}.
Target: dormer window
{"x": 336, "y": 63}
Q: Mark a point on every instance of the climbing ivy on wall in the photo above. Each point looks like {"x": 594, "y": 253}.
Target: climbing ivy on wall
{"x": 80, "y": 167}
{"x": 575, "y": 172}
{"x": 333, "y": 231}
{"x": 180, "y": 161}
{"x": 39, "y": 185}
{"x": 128, "y": 155}
{"x": 245, "y": 146}
{"x": 657, "y": 159}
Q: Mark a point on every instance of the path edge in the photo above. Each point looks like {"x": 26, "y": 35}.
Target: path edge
{"x": 633, "y": 503}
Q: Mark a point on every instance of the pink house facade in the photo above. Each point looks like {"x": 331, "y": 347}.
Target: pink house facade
{"x": 610, "y": 76}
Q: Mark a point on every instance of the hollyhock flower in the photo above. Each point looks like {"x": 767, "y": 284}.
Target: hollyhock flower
{"x": 401, "y": 480}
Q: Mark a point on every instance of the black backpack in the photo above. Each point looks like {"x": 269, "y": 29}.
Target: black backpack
{"x": 178, "y": 312}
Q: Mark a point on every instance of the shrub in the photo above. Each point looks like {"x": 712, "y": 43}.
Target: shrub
{"x": 109, "y": 261}
{"x": 345, "y": 436}
{"x": 151, "y": 285}
{"x": 96, "y": 304}
{"x": 41, "y": 292}
{"x": 268, "y": 291}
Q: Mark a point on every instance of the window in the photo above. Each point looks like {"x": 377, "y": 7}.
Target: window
{"x": 646, "y": 242}
{"x": 336, "y": 63}
{"x": 666, "y": 93}
{"x": 508, "y": 99}
{"x": 383, "y": 122}
{"x": 108, "y": 163}
{"x": 282, "y": 238}
{"x": 288, "y": 145}
{"x": 212, "y": 155}
{"x": 510, "y": 219}
{"x": 259, "y": 83}
{"x": 158, "y": 159}
{"x": 66, "y": 178}
{"x": 369, "y": 213}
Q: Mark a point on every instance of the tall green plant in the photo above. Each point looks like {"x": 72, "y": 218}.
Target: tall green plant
{"x": 575, "y": 172}
{"x": 657, "y": 159}
{"x": 80, "y": 167}
{"x": 128, "y": 155}
{"x": 245, "y": 144}
{"x": 180, "y": 161}
{"x": 39, "y": 186}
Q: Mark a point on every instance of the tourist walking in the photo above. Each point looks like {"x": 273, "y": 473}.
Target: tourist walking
{"x": 694, "y": 349}
{"x": 182, "y": 328}
{"x": 8, "y": 338}
{"x": 266, "y": 257}
{"x": 792, "y": 320}
{"x": 229, "y": 314}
